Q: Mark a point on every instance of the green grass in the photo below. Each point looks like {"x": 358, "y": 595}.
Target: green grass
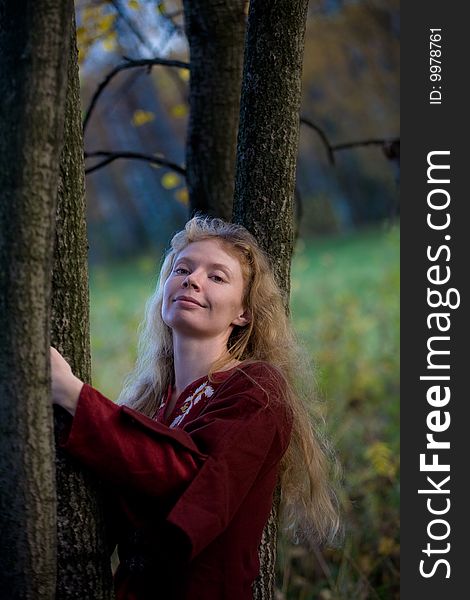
{"x": 117, "y": 299}
{"x": 345, "y": 308}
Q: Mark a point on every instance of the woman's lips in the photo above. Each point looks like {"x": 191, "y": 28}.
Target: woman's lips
{"x": 188, "y": 299}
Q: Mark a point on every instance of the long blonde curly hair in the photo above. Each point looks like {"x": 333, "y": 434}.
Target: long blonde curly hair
{"x": 309, "y": 505}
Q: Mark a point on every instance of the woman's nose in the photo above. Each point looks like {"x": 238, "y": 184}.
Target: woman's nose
{"x": 191, "y": 281}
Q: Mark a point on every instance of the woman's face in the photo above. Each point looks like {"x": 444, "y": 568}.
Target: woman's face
{"x": 203, "y": 295}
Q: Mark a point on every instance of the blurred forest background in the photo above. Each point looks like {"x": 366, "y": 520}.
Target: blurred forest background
{"x": 345, "y": 279}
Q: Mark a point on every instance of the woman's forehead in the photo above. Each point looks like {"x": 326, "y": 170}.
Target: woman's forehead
{"x": 216, "y": 251}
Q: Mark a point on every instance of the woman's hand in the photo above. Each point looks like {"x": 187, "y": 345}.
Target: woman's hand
{"x": 65, "y": 386}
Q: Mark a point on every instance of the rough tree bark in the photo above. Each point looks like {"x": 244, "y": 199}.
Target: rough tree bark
{"x": 83, "y": 559}
{"x": 33, "y": 66}
{"x": 269, "y": 127}
{"x": 266, "y": 162}
{"x": 215, "y": 33}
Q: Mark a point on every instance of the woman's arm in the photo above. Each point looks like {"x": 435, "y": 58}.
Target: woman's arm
{"x": 66, "y": 387}
{"x": 123, "y": 447}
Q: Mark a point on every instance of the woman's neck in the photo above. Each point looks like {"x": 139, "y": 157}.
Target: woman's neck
{"x": 193, "y": 358}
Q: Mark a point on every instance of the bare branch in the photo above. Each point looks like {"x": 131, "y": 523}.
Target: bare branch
{"x": 129, "y": 64}
{"x": 146, "y": 42}
{"x": 173, "y": 15}
{"x": 112, "y": 156}
{"x": 391, "y": 149}
{"x": 390, "y": 146}
{"x": 372, "y": 142}
{"x": 323, "y": 138}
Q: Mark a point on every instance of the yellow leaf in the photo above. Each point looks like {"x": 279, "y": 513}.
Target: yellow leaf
{"x": 106, "y": 22}
{"x": 182, "y": 196}
{"x": 386, "y": 546}
{"x": 133, "y": 4}
{"x": 140, "y": 117}
{"x": 381, "y": 458}
{"x": 184, "y": 74}
{"x": 110, "y": 42}
{"x": 81, "y": 56}
{"x": 81, "y": 35}
{"x": 179, "y": 110}
{"x": 91, "y": 13}
{"x": 170, "y": 181}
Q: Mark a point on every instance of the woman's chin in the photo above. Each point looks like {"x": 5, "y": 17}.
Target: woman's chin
{"x": 187, "y": 327}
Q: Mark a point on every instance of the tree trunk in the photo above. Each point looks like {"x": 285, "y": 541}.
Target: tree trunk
{"x": 83, "y": 559}
{"x": 33, "y": 66}
{"x": 269, "y": 127}
{"x": 266, "y": 162}
{"x": 215, "y": 33}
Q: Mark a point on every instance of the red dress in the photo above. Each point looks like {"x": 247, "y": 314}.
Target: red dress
{"x": 190, "y": 497}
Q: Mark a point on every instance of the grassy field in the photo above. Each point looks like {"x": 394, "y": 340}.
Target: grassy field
{"x": 345, "y": 308}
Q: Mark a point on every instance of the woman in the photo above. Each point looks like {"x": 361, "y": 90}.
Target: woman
{"x": 205, "y": 426}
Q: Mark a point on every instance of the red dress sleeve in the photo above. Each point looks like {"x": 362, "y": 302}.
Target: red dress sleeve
{"x": 128, "y": 449}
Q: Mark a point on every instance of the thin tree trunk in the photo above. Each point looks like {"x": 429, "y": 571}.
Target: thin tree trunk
{"x": 266, "y": 162}
{"x": 263, "y": 586}
{"x": 83, "y": 559}
{"x": 33, "y": 66}
{"x": 215, "y": 33}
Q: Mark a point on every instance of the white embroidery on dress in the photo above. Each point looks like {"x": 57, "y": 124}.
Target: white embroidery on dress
{"x": 203, "y": 390}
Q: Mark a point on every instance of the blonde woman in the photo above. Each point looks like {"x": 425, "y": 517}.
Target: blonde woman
{"x": 211, "y": 418}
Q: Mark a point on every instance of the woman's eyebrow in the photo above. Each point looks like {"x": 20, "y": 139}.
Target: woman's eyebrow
{"x": 222, "y": 267}
{"x": 191, "y": 262}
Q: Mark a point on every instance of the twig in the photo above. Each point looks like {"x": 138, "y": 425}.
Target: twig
{"x": 323, "y": 138}
{"x": 146, "y": 42}
{"x": 173, "y": 15}
{"x": 112, "y": 156}
{"x": 326, "y": 569}
{"x": 130, "y": 64}
{"x": 361, "y": 574}
{"x": 390, "y": 146}
{"x": 376, "y": 142}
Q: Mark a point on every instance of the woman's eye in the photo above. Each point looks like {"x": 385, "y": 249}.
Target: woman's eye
{"x": 217, "y": 278}
{"x": 181, "y": 271}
